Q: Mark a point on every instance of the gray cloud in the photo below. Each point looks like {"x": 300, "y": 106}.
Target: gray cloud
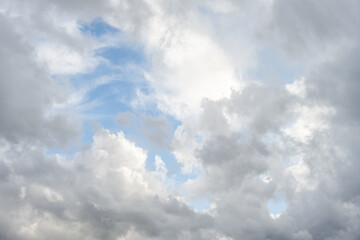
{"x": 105, "y": 191}
{"x": 27, "y": 93}
{"x": 158, "y": 132}
{"x": 303, "y": 28}
{"x": 321, "y": 189}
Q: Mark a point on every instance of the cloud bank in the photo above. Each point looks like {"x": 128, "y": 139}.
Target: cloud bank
{"x": 206, "y": 116}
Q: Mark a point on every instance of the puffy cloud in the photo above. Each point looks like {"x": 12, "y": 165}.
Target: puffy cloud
{"x": 104, "y": 192}
{"x": 302, "y": 136}
{"x": 249, "y": 142}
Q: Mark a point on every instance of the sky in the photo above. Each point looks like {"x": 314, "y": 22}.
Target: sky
{"x": 169, "y": 119}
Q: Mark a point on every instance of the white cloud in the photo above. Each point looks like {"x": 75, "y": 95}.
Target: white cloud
{"x": 105, "y": 191}
{"x": 301, "y": 173}
{"x": 62, "y": 60}
{"x": 182, "y": 78}
{"x": 237, "y": 135}
{"x": 311, "y": 119}
{"x": 297, "y": 88}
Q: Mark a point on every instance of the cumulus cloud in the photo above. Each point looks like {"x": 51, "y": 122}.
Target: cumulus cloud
{"x": 104, "y": 192}
{"x": 245, "y": 141}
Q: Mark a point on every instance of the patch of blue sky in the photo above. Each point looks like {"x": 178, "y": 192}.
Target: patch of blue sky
{"x": 276, "y": 206}
{"x": 201, "y": 204}
{"x": 125, "y": 63}
{"x": 108, "y": 89}
{"x": 292, "y": 160}
{"x": 110, "y": 99}
{"x": 122, "y": 55}
{"x": 110, "y": 95}
{"x": 172, "y": 165}
{"x": 113, "y": 84}
{"x": 98, "y": 27}
{"x": 275, "y": 68}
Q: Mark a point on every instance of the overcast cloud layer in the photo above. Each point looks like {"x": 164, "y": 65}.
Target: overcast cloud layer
{"x": 240, "y": 104}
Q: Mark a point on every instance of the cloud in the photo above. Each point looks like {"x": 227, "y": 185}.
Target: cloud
{"x": 104, "y": 192}
{"x": 158, "y": 132}
{"x": 27, "y": 93}
{"x": 310, "y": 29}
{"x": 301, "y": 135}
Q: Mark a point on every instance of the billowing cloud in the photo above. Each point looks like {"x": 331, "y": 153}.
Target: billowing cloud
{"x": 103, "y": 192}
{"x": 243, "y": 138}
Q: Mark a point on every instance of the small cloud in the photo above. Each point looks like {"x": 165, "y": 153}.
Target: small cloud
{"x": 158, "y": 132}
